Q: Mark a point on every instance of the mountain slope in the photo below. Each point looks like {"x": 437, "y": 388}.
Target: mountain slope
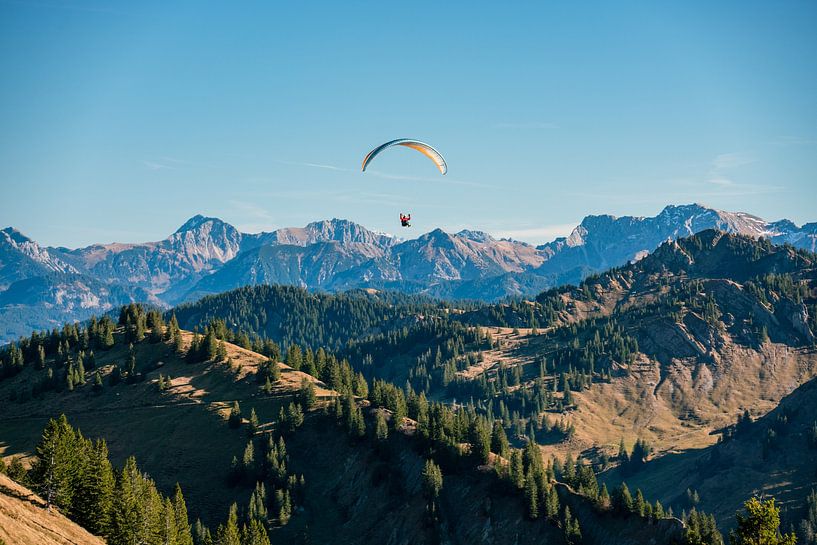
{"x": 207, "y": 255}
{"x": 25, "y": 520}
{"x": 776, "y": 455}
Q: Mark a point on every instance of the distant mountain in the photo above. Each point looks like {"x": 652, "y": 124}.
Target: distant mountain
{"x": 207, "y": 256}
{"x": 602, "y": 242}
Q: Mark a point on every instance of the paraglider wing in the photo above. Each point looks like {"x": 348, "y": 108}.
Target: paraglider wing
{"x": 422, "y": 147}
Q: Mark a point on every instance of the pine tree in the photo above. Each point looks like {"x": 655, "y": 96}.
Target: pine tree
{"x": 532, "y": 497}
{"x": 306, "y": 394}
{"x": 221, "y": 351}
{"x": 201, "y": 534}
{"x": 480, "y": 440}
{"x": 499, "y": 441}
{"x": 125, "y": 516}
{"x": 257, "y": 509}
{"x": 381, "y": 429}
{"x": 517, "y": 472}
{"x": 93, "y": 505}
{"x": 760, "y": 525}
{"x": 252, "y": 428}
{"x": 98, "y": 385}
{"x": 552, "y": 503}
{"x": 228, "y": 533}
{"x": 639, "y": 505}
{"x": 432, "y": 480}
{"x": 283, "y": 506}
{"x": 234, "y": 420}
{"x": 168, "y": 523}
{"x": 58, "y": 457}
{"x": 604, "y": 497}
{"x": 248, "y": 459}
{"x": 658, "y": 511}
{"x": 254, "y": 533}
{"x": 184, "y": 534}
{"x": 622, "y": 499}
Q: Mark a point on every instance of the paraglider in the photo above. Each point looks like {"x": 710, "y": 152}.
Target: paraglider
{"x": 422, "y": 147}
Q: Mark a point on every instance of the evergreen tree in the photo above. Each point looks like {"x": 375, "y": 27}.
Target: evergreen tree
{"x": 701, "y": 529}
{"x": 480, "y": 440}
{"x": 552, "y": 503}
{"x": 499, "y": 441}
{"x": 59, "y": 458}
{"x": 228, "y": 533}
{"x": 184, "y": 534}
{"x": 257, "y": 509}
{"x": 16, "y": 471}
{"x": 381, "y": 429}
{"x": 126, "y": 509}
{"x": 532, "y": 497}
{"x": 604, "y": 497}
{"x": 252, "y": 428}
{"x": 168, "y": 523}
{"x": 432, "y": 480}
{"x": 622, "y": 499}
{"x": 760, "y": 525}
{"x": 234, "y": 420}
{"x": 201, "y": 534}
{"x": 248, "y": 459}
{"x": 517, "y": 471}
{"x": 254, "y": 533}
{"x": 639, "y": 505}
{"x": 93, "y": 505}
{"x": 306, "y": 394}
{"x": 283, "y": 505}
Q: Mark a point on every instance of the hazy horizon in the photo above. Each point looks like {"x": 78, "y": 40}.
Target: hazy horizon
{"x": 121, "y": 119}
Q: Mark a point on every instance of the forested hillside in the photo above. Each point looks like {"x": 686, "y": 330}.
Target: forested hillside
{"x": 632, "y": 366}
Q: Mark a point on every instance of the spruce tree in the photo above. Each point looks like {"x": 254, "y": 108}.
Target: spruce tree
{"x": 252, "y": 428}
{"x": 126, "y": 509}
{"x": 760, "y": 525}
{"x": 381, "y": 429}
{"x": 532, "y": 497}
{"x": 228, "y": 533}
{"x": 234, "y": 420}
{"x": 55, "y": 470}
{"x": 432, "y": 482}
{"x": 552, "y": 503}
{"x": 257, "y": 508}
{"x": 184, "y": 534}
{"x": 95, "y": 492}
{"x": 254, "y": 533}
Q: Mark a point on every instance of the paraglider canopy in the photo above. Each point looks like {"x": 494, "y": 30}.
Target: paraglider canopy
{"x": 422, "y": 147}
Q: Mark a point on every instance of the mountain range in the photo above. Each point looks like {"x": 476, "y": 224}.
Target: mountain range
{"x": 41, "y": 287}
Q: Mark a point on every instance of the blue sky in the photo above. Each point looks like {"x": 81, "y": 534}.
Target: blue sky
{"x": 118, "y": 121}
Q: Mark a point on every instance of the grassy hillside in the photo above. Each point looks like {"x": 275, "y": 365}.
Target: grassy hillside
{"x": 179, "y": 434}
{"x": 773, "y": 456}
{"x": 25, "y": 520}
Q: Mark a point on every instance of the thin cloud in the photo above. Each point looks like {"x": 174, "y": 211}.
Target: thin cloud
{"x": 312, "y": 165}
{"x": 155, "y": 165}
{"x": 732, "y": 160}
{"x": 387, "y": 176}
{"x": 439, "y": 180}
{"x": 793, "y": 141}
